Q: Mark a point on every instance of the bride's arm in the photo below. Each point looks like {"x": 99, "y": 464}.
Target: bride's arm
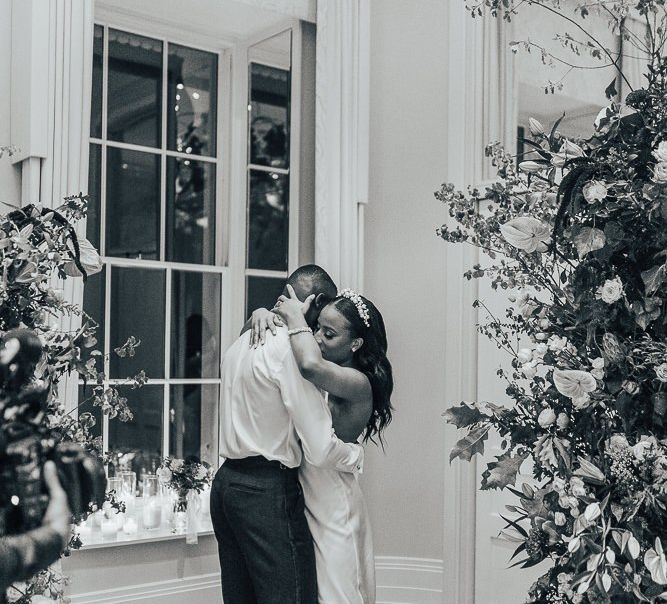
{"x": 341, "y": 382}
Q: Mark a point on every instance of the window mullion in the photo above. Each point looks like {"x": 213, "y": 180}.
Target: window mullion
{"x": 163, "y": 167}
{"x": 167, "y": 364}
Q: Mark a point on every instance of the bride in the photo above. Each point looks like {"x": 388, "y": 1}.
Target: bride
{"x": 345, "y": 357}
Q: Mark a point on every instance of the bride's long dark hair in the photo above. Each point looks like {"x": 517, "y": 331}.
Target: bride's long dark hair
{"x": 371, "y": 359}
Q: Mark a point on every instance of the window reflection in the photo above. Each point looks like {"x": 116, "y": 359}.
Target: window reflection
{"x": 195, "y": 325}
{"x": 190, "y": 211}
{"x": 137, "y": 444}
{"x": 269, "y": 125}
{"x": 96, "y": 101}
{"x": 133, "y": 202}
{"x": 268, "y": 221}
{"x": 134, "y": 98}
{"x": 192, "y": 100}
{"x": 262, "y": 292}
{"x": 192, "y": 411}
{"x": 137, "y": 309}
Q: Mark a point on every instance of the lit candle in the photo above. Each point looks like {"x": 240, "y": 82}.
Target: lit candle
{"x": 152, "y": 513}
{"x": 109, "y": 528}
{"x": 130, "y": 527}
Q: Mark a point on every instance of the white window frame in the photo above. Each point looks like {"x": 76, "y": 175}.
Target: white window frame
{"x": 221, "y": 205}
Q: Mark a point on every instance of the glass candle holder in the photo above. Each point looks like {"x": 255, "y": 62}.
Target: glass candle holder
{"x": 128, "y": 484}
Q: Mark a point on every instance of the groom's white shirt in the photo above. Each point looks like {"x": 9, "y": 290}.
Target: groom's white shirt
{"x": 267, "y": 408}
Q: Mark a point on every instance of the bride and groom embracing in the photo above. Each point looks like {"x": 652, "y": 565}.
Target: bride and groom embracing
{"x": 300, "y": 387}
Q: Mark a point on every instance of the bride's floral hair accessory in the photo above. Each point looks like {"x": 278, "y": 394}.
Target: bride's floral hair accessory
{"x": 356, "y": 299}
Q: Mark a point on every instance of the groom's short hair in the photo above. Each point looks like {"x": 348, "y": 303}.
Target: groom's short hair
{"x": 313, "y": 279}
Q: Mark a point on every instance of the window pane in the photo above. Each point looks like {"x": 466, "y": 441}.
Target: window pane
{"x": 193, "y": 421}
{"x": 96, "y": 102}
{"x": 192, "y": 100}
{"x": 94, "y": 195}
{"x": 190, "y": 211}
{"x": 139, "y": 440}
{"x": 135, "y": 89}
{"x": 268, "y": 221}
{"x": 262, "y": 292}
{"x": 85, "y": 393}
{"x": 133, "y": 204}
{"x": 137, "y": 309}
{"x": 195, "y": 325}
{"x": 93, "y": 305}
{"x": 269, "y": 122}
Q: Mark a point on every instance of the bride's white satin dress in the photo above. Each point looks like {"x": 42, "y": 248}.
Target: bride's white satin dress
{"x": 338, "y": 520}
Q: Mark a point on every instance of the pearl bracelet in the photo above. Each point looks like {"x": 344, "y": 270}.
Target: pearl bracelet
{"x": 293, "y": 332}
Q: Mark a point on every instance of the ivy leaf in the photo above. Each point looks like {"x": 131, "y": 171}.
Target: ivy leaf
{"x": 653, "y": 278}
{"x": 471, "y": 443}
{"x": 503, "y": 471}
{"x": 463, "y": 416}
{"x": 589, "y": 239}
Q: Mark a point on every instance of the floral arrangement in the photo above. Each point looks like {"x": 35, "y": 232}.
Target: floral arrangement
{"x": 39, "y": 249}
{"x": 183, "y": 476}
{"x": 577, "y": 236}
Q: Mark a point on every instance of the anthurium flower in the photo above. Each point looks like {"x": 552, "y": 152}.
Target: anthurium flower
{"x": 573, "y": 383}
{"x": 89, "y": 259}
{"x": 527, "y": 233}
{"x": 655, "y": 562}
{"x": 530, "y": 166}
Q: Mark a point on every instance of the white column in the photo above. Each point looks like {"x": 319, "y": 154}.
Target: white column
{"x": 52, "y": 78}
{"x": 481, "y": 108}
{"x": 341, "y": 131}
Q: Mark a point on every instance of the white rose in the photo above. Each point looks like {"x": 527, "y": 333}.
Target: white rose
{"x": 177, "y": 465}
{"x": 661, "y": 372}
{"x": 660, "y": 172}
{"x": 573, "y": 383}
{"x": 547, "y": 417}
{"x": 535, "y": 126}
{"x": 558, "y": 484}
{"x": 661, "y": 152}
{"x": 560, "y": 519}
{"x": 597, "y": 363}
{"x": 562, "y": 421}
{"x": 529, "y": 370}
{"x": 556, "y": 343}
{"x": 618, "y": 441}
{"x": 630, "y": 387}
{"x": 544, "y": 323}
{"x": 577, "y": 487}
{"x": 598, "y": 374}
{"x": 525, "y": 355}
{"x": 610, "y": 291}
{"x": 581, "y": 402}
{"x": 594, "y": 190}
{"x": 541, "y": 349}
{"x": 89, "y": 259}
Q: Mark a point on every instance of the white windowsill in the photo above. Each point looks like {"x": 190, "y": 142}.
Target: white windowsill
{"x": 92, "y": 537}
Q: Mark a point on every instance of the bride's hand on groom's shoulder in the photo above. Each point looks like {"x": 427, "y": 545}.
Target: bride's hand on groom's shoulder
{"x": 291, "y": 309}
{"x": 261, "y": 320}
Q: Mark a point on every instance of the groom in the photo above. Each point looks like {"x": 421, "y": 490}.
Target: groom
{"x": 269, "y": 418}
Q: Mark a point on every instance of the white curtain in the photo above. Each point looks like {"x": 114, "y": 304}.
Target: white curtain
{"x": 341, "y": 143}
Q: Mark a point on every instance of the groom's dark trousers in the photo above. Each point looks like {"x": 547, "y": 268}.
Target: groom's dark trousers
{"x": 264, "y": 543}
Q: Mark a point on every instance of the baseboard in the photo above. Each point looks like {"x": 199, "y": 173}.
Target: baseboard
{"x": 198, "y": 589}
{"x": 402, "y": 580}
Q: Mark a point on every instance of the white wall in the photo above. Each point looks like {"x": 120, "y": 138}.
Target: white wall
{"x": 10, "y": 179}
{"x": 405, "y": 269}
